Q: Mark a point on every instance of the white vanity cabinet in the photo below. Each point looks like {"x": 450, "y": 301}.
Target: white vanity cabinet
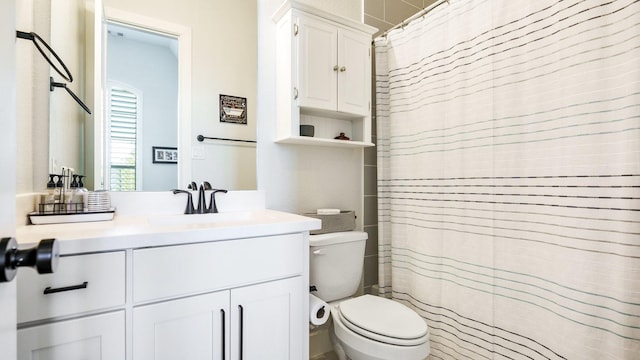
{"x": 323, "y": 75}
{"x": 254, "y": 322}
{"x": 87, "y": 293}
{"x": 195, "y": 327}
{"x": 239, "y": 299}
{"x": 97, "y": 337}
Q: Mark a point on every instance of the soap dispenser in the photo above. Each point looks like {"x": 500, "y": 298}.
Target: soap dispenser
{"x": 47, "y": 199}
{"x": 75, "y": 202}
{"x": 83, "y": 193}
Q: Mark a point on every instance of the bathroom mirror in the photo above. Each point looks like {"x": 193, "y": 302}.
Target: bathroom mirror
{"x": 222, "y": 60}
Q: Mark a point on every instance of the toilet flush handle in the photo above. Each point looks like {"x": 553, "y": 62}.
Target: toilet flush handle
{"x": 318, "y": 252}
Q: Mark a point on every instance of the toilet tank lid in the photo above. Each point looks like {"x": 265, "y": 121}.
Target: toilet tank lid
{"x": 337, "y": 238}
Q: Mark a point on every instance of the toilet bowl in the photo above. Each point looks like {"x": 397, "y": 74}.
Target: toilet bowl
{"x": 365, "y": 327}
{"x": 374, "y": 328}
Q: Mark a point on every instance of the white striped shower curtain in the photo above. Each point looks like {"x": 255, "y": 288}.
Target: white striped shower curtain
{"x": 508, "y": 137}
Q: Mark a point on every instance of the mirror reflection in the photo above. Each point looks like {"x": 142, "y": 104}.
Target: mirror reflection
{"x": 142, "y": 110}
{"x": 141, "y": 97}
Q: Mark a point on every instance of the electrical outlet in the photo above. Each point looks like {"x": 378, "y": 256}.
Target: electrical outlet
{"x": 197, "y": 152}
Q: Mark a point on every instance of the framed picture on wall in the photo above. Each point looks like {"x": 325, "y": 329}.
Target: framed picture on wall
{"x": 165, "y": 155}
{"x": 233, "y": 109}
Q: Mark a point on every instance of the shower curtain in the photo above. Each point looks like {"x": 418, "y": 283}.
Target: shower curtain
{"x": 508, "y": 137}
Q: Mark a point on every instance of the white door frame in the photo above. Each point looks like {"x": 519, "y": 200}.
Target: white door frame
{"x": 8, "y": 149}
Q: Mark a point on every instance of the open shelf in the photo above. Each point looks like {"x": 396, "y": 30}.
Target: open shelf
{"x": 305, "y": 140}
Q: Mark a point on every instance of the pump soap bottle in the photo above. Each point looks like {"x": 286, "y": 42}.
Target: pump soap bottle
{"x": 47, "y": 199}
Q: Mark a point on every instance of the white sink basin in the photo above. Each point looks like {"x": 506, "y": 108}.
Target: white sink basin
{"x": 199, "y": 219}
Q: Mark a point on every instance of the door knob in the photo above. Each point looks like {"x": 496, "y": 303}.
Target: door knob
{"x": 43, "y": 258}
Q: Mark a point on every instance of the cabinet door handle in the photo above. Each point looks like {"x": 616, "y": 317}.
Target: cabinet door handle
{"x": 295, "y": 93}
{"x": 343, "y": 69}
{"x": 50, "y": 290}
{"x": 335, "y": 68}
{"x": 241, "y": 329}
{"x": 224, "y": 335}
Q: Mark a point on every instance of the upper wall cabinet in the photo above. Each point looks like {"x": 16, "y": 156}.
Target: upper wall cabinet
{"x": 323, "y": 77}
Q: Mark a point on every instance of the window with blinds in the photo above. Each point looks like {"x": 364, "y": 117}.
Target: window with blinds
{"x": 122, "y": 138}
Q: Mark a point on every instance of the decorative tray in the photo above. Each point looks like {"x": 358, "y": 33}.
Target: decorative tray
{"x": 63, "y": 218}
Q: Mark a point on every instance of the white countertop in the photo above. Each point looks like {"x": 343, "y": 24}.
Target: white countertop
{"x": 125, "y": 232}
{"x": 131, "y": 229}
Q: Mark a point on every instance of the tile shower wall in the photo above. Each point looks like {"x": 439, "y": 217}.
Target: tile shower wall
{"x": 382, "y": 14}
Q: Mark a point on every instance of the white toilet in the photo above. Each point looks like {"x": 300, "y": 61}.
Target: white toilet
{"x": 365, "y": 327}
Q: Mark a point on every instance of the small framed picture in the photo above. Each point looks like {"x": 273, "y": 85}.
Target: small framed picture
{"x": 165, "y": 155}
{"x": 233, "y": 109}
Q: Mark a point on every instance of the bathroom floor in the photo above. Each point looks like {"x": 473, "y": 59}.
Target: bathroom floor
{"x": 326, "y": 356}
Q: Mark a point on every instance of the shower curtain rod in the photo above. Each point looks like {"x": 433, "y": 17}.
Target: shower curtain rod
{"x": 415, "y": 16}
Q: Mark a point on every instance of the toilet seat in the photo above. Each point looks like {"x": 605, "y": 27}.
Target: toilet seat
{"x": 383, "y": 320}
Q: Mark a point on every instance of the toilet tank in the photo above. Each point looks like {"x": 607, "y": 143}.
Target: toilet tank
{"x": 335, "y": 262}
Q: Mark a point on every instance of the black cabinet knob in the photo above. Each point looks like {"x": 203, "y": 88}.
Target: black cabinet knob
{"x": 43, "y": 258}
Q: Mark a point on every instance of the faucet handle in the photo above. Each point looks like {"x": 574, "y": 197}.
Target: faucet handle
{"x": 189, "y": 209}
{"x": 212, "y": 204}
{"x": 193, "y": 186}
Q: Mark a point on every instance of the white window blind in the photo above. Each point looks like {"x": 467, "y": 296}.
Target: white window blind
{"x": 122, "y": 135}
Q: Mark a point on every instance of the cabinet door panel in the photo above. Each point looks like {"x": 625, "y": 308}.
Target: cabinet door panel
{"x": 354, "y": 78}
{"x": 192, "y": 328}
{"x": 266, "y": 321}
{"x": 317, "y": 57}
{"x": 100, "y": 337}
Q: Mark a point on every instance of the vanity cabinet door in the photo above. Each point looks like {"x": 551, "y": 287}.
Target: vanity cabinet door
{"x": 196, "y": 327}
{"x": 99, "y": 337}
{"x": 266, "y": 321}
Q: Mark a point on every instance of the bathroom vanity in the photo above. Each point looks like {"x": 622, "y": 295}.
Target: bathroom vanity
{"x": 170, "y": 286}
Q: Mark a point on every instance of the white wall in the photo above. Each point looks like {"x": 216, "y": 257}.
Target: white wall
{"x": 301, "y": 178}
{"x": 153, "y": 70}
{"x": 32, "y": 98}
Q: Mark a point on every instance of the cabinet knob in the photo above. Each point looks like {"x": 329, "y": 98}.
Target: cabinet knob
{"x": 335, "y": 68}
{"x": 43, "y": 258}
{"x": 343, "y": 69}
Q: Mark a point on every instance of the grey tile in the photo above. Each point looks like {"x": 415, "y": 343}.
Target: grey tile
{"x": 370, "y": 270}
{"x": 395, "y": 11}
{"x": 370, "y": 155}
{"x": 381, "y": 25}
{"x": 370, "y": 180}
{"x": 374, "y": 8}
{"x": 416, "y": 3}
{"x": 372, "y": 240}
{"x": 427, "y": 3}
{"x": 370, "y": 210}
